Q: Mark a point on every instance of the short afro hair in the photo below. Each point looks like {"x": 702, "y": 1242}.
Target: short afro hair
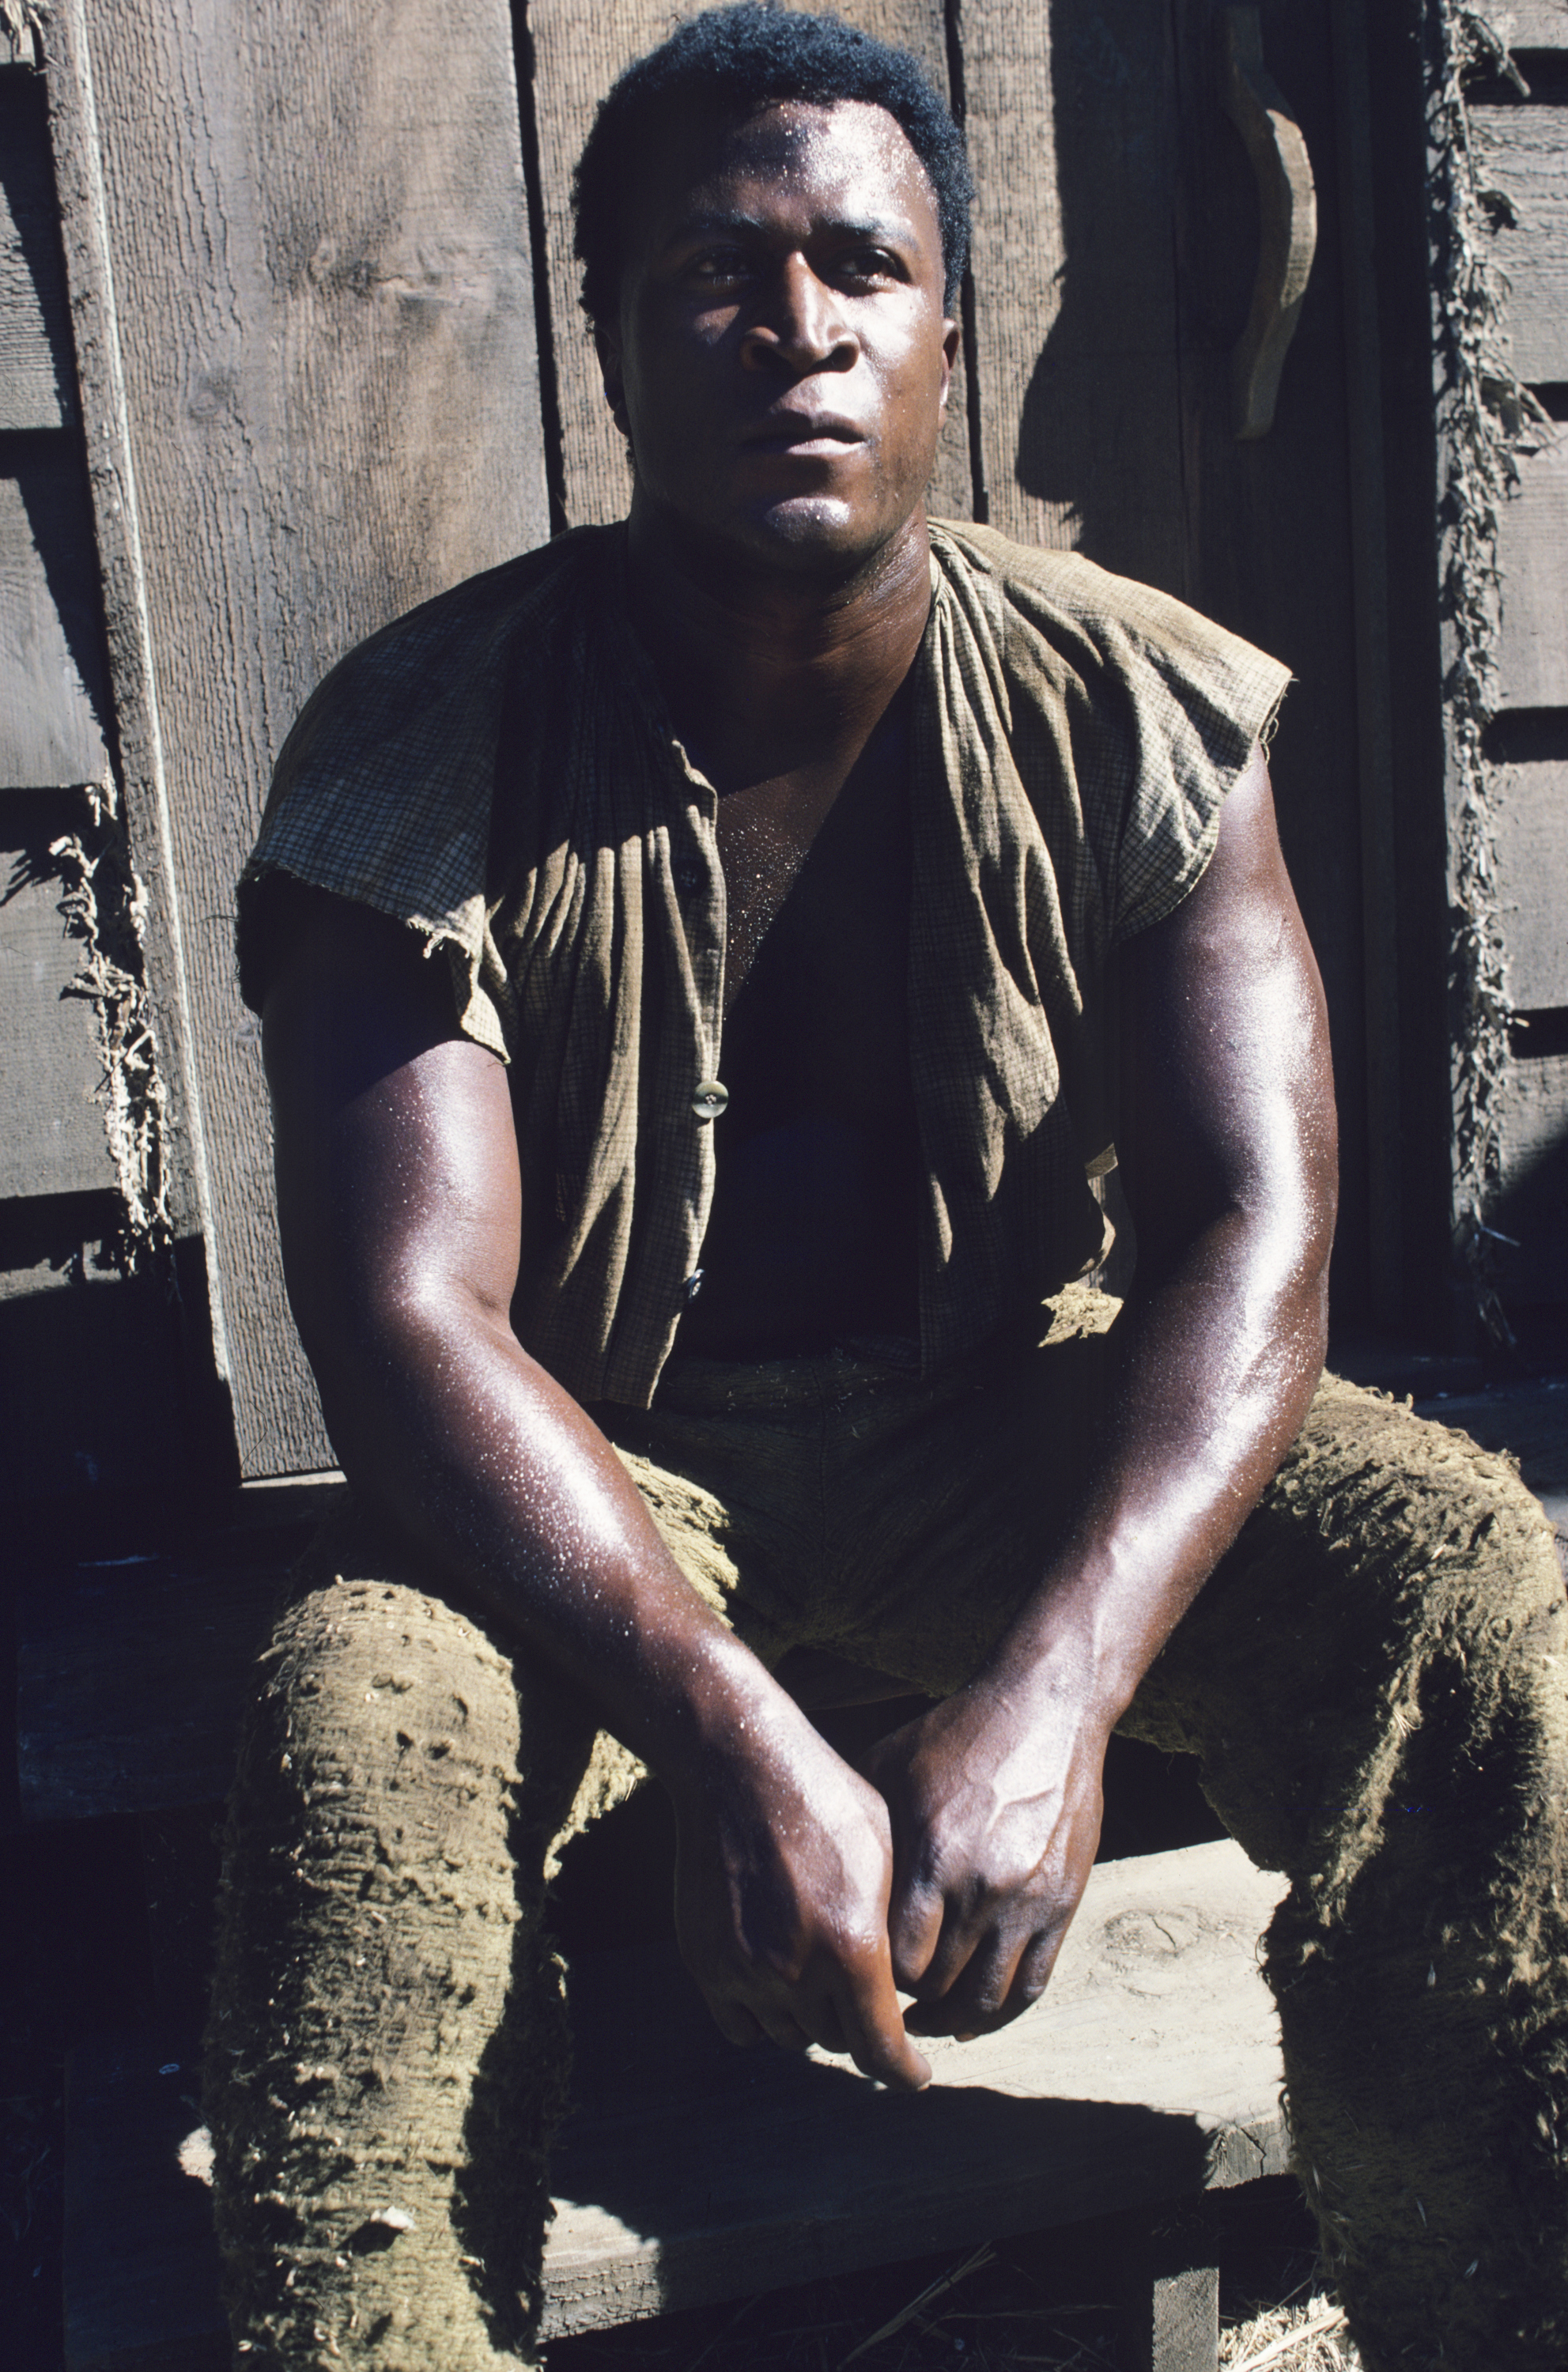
{"x": 738, "y": 60}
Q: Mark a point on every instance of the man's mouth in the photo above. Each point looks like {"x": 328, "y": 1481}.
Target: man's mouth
{"x": 806, "y": 433}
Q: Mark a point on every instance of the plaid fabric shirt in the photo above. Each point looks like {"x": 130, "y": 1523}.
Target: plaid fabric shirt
{"x": 497, "y": 770}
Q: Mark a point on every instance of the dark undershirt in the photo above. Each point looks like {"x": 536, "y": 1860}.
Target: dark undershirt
{"x": 813, "y": 1238}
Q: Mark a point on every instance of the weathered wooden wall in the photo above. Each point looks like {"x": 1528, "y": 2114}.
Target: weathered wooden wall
{"x": 304, "y": 281}
{"x": 1522, "y": 144}
{"x": 302, "y": 232}
{"x": 86, "y": 1357}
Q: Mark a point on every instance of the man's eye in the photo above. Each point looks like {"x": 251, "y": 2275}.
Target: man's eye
{"x": 717, "y": 264}
{"x": 867, "y": 263}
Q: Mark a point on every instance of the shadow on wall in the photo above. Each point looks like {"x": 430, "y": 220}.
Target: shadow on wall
{"x": 1102, "y": 429}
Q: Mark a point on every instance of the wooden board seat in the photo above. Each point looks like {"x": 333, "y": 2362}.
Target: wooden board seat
{"x": 690, "y": 2173}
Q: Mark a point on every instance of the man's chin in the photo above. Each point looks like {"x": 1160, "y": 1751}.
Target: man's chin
{"x": 812, "y": 534}
{"x": 810, "y": 537}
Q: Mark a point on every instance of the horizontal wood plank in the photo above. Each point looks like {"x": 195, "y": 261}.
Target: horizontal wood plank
{"x": 318, "y": 231}
{"x": 37, "y": 375}
{"x": 1534, "y": 24}
{"x": 1532, "y": 560}
{"x": 1150, "y": 2069}
{"x": 51, "y": 641}
{"x": 1531, "y": 810}
{"x": 51, "y": 1132}
{"x": 1532, "y": 1206}
{"x": 578, "y": 53}
{"x": 1521, "y": 151}
{"x": 689, "y": 2173}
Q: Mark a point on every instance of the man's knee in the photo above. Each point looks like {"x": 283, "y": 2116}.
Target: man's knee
{"x": 374, "y": 1691}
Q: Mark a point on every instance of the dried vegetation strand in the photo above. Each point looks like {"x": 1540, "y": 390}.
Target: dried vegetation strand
{"x": 1307, "y": 2336}
{"x": 104, "y": 909}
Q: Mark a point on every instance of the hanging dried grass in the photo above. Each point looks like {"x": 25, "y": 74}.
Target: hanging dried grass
{"x": 1487, "y": 419}
{"x": 104, "y": 906}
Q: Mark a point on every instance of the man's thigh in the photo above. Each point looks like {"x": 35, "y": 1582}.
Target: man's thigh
{"x": 1393, "y": 1601}
{"x": 850, "y": 1508}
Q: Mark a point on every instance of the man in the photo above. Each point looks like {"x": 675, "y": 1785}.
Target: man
{"x": 704, "y": 965}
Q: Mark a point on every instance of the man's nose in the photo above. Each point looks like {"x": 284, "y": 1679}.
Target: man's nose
{"x": 801, "y": 326}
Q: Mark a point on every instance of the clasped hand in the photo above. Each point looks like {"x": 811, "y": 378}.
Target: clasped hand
{"x": 809, "y": 1895}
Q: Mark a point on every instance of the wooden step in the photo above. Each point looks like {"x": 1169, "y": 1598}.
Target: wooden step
{"x": 689, "y": 2173}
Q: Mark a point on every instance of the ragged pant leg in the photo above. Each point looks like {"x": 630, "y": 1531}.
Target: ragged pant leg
{"x": 1376, "y": 1680}
{"x": 386, "y": 2055}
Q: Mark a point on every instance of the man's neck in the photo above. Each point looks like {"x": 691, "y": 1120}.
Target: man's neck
{"x": 772, "y": 674}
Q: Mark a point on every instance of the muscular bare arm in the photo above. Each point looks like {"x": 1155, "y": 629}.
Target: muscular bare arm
{"x": 400, "y": 1205}
{"x": 995, "y": 1794}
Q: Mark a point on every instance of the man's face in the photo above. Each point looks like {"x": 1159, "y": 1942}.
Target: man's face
{"x": 781, "y": 356}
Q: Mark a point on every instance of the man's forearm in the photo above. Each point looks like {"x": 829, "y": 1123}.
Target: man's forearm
{"x": 479, "y": 1456}
{"x": 1219, "y": 1367}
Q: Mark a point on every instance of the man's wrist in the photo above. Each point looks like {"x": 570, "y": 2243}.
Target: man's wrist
{"x": 720, "y": 1710}
{"x": 1072, "y": 1654}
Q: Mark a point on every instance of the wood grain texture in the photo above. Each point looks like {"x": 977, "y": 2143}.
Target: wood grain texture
{"x": 1534, "y": 24}
{"x": 51, "y": 1136}
{"x": 51, "y": 665}
{"x": 1533, "y": 1204}
{"x": 1532, "y": 562}
{"x": 79, "y": 169}
{"x": 1530, "y": 805}
{"x": 578, "y": 54}
{"x": 1386, "y": 1146}
{"x": 1522, "y": 151}
{"x": 1072, "y": 117}
{"x": 691, "y": 2172}
{"x": 36, "y": 377}
{"x": 319, "y": 248}
{"x": 1150, "y": 2069}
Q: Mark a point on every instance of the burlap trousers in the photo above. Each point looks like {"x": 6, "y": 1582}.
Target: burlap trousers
{"x": 1374, "y": 1681}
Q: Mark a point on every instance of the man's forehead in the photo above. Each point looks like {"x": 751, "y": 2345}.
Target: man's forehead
{"x": 849, "y": 152}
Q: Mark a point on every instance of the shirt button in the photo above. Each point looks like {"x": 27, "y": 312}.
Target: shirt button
{"x": 710, "y": 1099}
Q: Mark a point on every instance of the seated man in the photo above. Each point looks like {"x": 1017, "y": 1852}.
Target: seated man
{"x": 704, "y": 964}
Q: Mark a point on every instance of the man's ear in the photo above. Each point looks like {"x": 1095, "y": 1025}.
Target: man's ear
{"x": 951, "y": 336}
{"x": 607, "y": 346}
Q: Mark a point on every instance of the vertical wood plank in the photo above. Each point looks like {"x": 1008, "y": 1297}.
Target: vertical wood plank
{"x": 1374, "y": 738}
{"x": 578, "y": 54}
{"x": 1282, "y": 548}
{"x": 1073, "y": 117}
{"x": 315, "y": 230}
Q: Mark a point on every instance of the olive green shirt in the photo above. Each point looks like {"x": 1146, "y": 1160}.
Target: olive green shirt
{"x": 497, "y": 770}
